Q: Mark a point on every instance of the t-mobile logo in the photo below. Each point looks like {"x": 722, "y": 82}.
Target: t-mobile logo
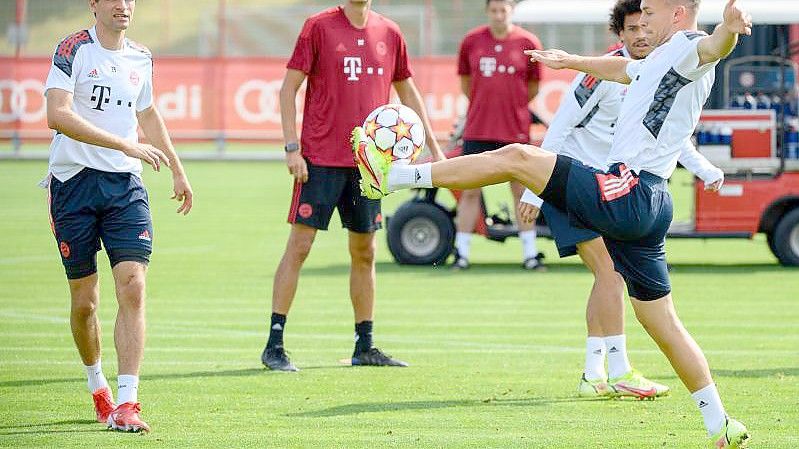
{"x": 352, "y": 67}
{"x": 488, "y": 66}
{"x": 101, "y": 94}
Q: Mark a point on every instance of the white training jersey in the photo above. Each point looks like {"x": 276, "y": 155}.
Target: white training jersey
{"x": 108, "y": 87}
{"x": 584, "y": 124}
{"x": 662, "y": 105}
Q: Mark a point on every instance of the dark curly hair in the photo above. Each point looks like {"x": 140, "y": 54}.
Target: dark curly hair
{"x": 620, "y": 11}
{"x": 512, "y": 2}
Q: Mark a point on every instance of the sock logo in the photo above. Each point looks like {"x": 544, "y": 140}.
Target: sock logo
{"x": 597, "y": 352}
{"x": 702, "y": 404}
{"x": 613, "y": 350}
{"x": 277, "y": 327}
{"x": 417, "y": 176}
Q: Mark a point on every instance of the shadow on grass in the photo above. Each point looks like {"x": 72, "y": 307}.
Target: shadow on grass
{"x": 38, "y": 429}
{"x": 510, "y": 268}
{"x": 246, "y": 372}
{"x": 379, "y": 407}
{"x": 756, "y": 373}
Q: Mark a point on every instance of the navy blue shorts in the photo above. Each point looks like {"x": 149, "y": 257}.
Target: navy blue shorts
{"x": 93, "y": 207}
{"x": 631, "y": 211}
{"x": 565, "y": 233}
{"x": 330, "y": 188}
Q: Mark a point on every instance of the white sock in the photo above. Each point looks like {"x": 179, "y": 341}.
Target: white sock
{"x": 594, "y": 359}
{"x": 529, "y": 248}
{"x": 128, "y": 388}
{"x": 618, "y": 363}
{"x": 96, "y": 378}
{"x": 463, "y": 242}
{"x": 709, "y": 403}
{"x": 410, "y": 176}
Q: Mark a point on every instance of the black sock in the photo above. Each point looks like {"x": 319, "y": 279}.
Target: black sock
{"x": 276, "y": 330}
{"x": 363, "y": 332}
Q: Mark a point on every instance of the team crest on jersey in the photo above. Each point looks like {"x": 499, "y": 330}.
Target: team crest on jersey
{"x": 93, "y": 74}
{"x": 381, "y": 48}
{"x": 134, "y": 78}
{"x": 145, "y": 235}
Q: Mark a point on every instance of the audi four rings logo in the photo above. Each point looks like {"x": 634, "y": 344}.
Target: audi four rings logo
{"x": 22, "y": 100}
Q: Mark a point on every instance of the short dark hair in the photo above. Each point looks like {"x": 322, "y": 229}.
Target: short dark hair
{"x": 512, "y": 2}
{"x": 621, "y": 10}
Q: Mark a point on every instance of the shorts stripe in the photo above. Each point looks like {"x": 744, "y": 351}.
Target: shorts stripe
{"x": 295, "y": 202}
{"x": 612, "y": 187}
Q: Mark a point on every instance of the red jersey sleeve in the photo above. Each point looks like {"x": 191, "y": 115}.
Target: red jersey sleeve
{"x": 534, "y": 68}
{"x": 304, "y": 56}
{"x": 402, "y": 67}
{"x": 463, "y": 59}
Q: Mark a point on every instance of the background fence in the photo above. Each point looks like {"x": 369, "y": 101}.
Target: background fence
{"x": 219, "y": 63}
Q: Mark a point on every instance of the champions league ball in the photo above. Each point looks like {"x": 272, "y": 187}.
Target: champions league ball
{"x": 397, "y": 131}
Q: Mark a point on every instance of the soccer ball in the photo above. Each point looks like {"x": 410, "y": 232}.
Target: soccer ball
{"x": 397, "y": 131}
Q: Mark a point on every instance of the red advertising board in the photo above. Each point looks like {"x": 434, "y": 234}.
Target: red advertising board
{"x": 237, "y": 98}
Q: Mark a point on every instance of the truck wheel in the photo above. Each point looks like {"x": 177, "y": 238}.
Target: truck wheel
{"x": 786, "y": 239}
{"x": 421, "y": 233}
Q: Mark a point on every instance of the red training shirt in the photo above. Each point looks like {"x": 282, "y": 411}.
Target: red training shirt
{"x": 499, "y": 72}
{"x": 350, "y": 72}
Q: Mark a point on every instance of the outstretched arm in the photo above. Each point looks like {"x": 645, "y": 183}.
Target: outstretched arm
{"x": 723, "y": 40}
{"x": 611, "y": 68}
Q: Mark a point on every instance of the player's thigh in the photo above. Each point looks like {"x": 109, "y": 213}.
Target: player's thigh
{"x": 313, "y": 202}
{"x": 643, "y": 267}
{"x": 126, "y": 226}
{"x": 358, "y": 213}
{"x": 75, "y": 224}
{"x": 595, "y": 255}
{"x": 566, "y": 234}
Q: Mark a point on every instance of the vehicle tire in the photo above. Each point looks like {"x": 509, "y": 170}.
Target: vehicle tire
{"x": 421, "y": 233}
{"x": 786, "y": 239}
{"x": 770, "y": 240}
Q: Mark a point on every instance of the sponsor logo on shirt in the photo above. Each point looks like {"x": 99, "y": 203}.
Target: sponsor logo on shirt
{"x": 145, "y": 235}
{"x": 489, "y": 66}
{"x": 353, "y": 67}
{"x": 94, "y": 74}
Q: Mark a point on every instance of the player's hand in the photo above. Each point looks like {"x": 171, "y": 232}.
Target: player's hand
{"x": 182, "y": 193}
{"x": 528, "y": 212}
{"x": 554, "y": 59}
{"x": 715, "y": 186}
{"x": 436, "y": 153}
{"x": 297, "y": 166}
{"x": 737, "y": 20}
{"x": 148, "y": 154}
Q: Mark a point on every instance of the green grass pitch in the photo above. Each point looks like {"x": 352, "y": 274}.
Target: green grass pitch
{"x": 496, "y": 352}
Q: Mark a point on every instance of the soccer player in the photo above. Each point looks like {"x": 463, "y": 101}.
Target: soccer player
{"x": 500, "y": 83}
{"x": 351, "y": 57}
{"x": 583, "y": 130}
{"x": 99, "y": 89}
{"x": 629, "y": 203}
